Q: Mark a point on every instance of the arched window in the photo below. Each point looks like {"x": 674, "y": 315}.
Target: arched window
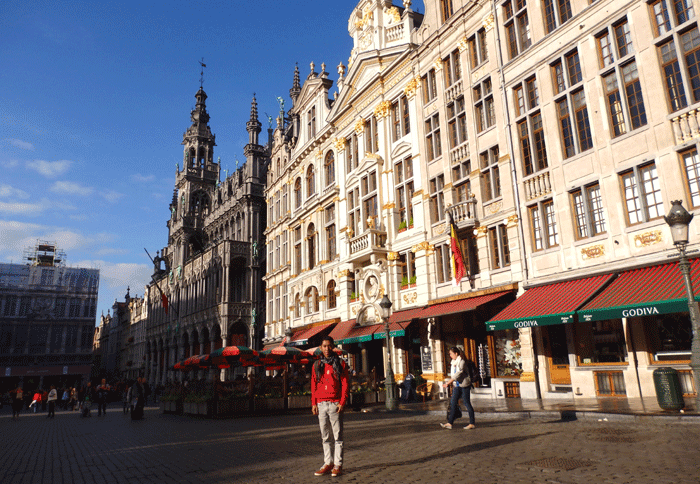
{"x": 199, "y": 203}
{"x": 311, "y": 244}
{"x": 329, "y": 167}
{"x": 297, "y": 193}
{"x": 310, "y": 181}
{"x": 331, "y": 295}
{"x": 311, "y": 300}
{"x": 297, "y": 306}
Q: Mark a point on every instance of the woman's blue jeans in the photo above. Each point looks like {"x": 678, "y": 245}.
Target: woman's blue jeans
{"x": 465, "y": 393}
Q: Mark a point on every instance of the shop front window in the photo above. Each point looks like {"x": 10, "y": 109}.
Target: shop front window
{"x": 508, "y": 356}
{"x": 669, "y": 337}
{"x": 601, "y": 342}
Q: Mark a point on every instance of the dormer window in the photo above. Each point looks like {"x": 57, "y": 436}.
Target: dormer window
{"x": 311, "y": 122}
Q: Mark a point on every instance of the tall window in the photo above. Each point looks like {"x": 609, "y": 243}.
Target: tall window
{"x": 329, "y": 168}
{"x": 285, "y": 208}
{"x": 351, "y": 152}
{"x": 457, "y": 122}
{"x": 678, "y": 72}
{"x": 442, "y": 263}
{"x": 432, "y": 137}
{"x": 330, "y": 232}
{"x": 368, "y": 185}
{"x": 311, "y": 122}
{"x": 533, "y": 151}
{"x": 483, "y": 105}
{"x": 642, "y": 192}
{"x": 371, "y": 135}
{"x": 437, "y": 199}
{"x": 429, "y": 85}
{"x": 310, "y": 181}
{"x": 11, "y": 306}
{"x": 59, "y": 310}
{"x": 517, "y": 26}
{"x": 285, "y": 254}
{"x": 446, "y": 10}
{"x": 297, "y": 193}
{"x": 311, "y": 245}
{"x": 297, "y": 306}
{"x": 452, "y": 68}
{"x": 354, "y": 217}
{"x": 498, "y": 244}
{"x": 691, "y": 168}
{"x": 556, "y": 12}
{"x": 407, "y": 263}
{"x": 277, "y": 252}
{"x": 588, "y": 211}
{"x": 490, "y": 176}
{"x": 403, "y": 173}
{"x": 297, "y": 250}
{"x": 400, "y": 119}
{"x": 477, "y": 49}
{"x": 543, "y": 225}
{"x": 572, "y": 111}
{"x": 621, "y": 86}
{"x": 460, "y": 180}
{"x": 74, "y": 308}
{"x": 331, "y": 297}
{"x": 24, "y": 305}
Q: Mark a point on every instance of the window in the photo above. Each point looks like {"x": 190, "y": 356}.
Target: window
{"x": 429, "y": 86}
{"x": 371, "y": 135}
{"x": 400, "y": 119}
{"x": 74, "y": 308}
{"x": 311, "y": 300}
{"x": 71, "y": 338}
{"x": 543, "y": 225}
{"x": 691, "y": 165}
{"x": 533, "y": 151}
{"x": 601, "y": 342}
{"x": 456, "y": 122}
{"x": 24, "y": 305}
{"x": 483, "y": 105}
{"x": 442, "y": 263}
{"x": 626, "y": 109}
{"x": 297, "y": 193}
{"x": 490, "y": 176}
{"x": 331, "y": 297}
{"x": 498, "y": 244}
{"x": 38, "y": 338}
{"x": 59, "y": 310}
{"x": 311, "y": 245}
{"x": 669, "y": 337}
{"x": 285, "y": 209}
{"x": 461, "y": 170}
{"x": 331, "y": 250}
{"x": 446, "y": 10}
{"x": 432, "y": 137}
{"x": 11, "y": 306}
{"x": 517, "y": 26}
{"x": 684, "y": 71}
{"x": 407, "y": 264}
{"x": 642, "y": 192}
{"x": 278, "y": 261}
{"x": 311, "y": 122}
{"x": 477, "y": 48}
{"x": 310, "y": 181}
{"x": 437, "y": 199}
{"x": 588, "y": 211}
{"x": 556, "y": 12}
{"x": 354, "y": 216}
{"x": 297, "y": 250}
{"x": 329, "y": 168}
{"x": 572, "y": 110}
{"x": 284, "y": 256}
{"x": 278, "y": 291}
{"x": 351, "y": 152}
{"x": 403, "y": 172}
{"x": 277, "y": 205}
{"x": 297, "y": 306}
{"x": 452, "y": 68}
{"x": 369, "y": 200}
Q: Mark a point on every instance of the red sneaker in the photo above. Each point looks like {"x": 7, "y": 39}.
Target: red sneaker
{"x": 324, "y": 470}
{"x": 337, "y": 471}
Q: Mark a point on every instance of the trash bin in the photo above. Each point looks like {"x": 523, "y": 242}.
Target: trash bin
{"x": 668, "y": 389}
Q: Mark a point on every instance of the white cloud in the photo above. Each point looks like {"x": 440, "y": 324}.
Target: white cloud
{"x": 8, "y": 191}
{"x": 28, "y": 209}
{"x": 111, "y": 196}
{"x": 70, "y": 188}
{"x": 18, "y": 143}
{"x": 49, "y": 169}
{"x": 16, "y": 236}
{"x": 120, "y": 275}
{"x": 112, "y": 251}
{"x": 9, "y": 163}
{"x": 137, "y": 177}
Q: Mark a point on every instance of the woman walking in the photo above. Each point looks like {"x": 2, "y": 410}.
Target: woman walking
{"x": 17, "y": 402}
{"x": 461, "y": 379}
{"x": 52, "y": 397}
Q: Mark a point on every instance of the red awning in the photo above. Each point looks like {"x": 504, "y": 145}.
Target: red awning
{"x": 651, "y": 290}
{"x": 461, "y": 305}
{"x": 406, "y": 315}
{"x": 273, "y": 345}
{"x": 341, "y": 330}
{"x": 361, "y": 333}
{"x": 550, "y": 304}
{"x": 302, "y": 337}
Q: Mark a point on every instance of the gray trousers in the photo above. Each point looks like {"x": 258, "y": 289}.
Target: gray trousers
{"x": 330, "y": 420}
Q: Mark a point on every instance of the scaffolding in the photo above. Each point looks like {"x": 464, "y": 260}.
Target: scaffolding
{"x": 45, "y": 254}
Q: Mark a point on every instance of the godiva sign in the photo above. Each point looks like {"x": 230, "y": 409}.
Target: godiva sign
{"x": 634, "y": 311}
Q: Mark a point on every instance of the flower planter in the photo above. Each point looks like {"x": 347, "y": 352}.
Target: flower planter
{"x": 299, "y": 401}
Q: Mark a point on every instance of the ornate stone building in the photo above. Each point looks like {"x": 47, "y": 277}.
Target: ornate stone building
{"x": 211, "y": 269}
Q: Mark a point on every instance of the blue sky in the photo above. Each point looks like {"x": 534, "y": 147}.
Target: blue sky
{"x": 96, "y": 97}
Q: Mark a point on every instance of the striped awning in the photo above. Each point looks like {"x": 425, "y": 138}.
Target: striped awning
{"x": 406, "y": 315}
{"x": 646, "y": 291}
{"x": 549, "y": 304}
{"x": 460, "y": 305}
{"x": 360, "y": 333}
{"x": 302, "y": 337}
{"x": 341, "y": 330}
{"x": 395, "y": 329}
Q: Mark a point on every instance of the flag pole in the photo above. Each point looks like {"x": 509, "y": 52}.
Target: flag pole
{"x": 162, "y": 296}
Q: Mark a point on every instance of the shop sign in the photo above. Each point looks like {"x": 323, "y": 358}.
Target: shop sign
{"x": 651, "y": 309}
{"x": 537, "y": 321}
{"x": 426, "y": 359}
{"x": 8, "y": 371}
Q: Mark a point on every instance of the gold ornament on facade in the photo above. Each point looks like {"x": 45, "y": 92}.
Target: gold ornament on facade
{"x": 382, "y": 109}
{"x": 394, "y": 14}
{"x": 593, "y": 252}
{"x": 343, "y": 273}
{"x": 437, "y": 63}
{"x": 425, "y": 245}
{"x": 480, "y": 231}
{"x": 339, "y": 144}
{"x": 440, "y": 229}
{"x": 392, "y": 256}
{"x": 494, "y": 207}
{"x": 648, "y": 238}
{"x": 359, "y": 126}
{"x": 462, "y": 45}
{"x": 527, "y": 376}
{"x": 410, "y": 298}
{"x": 411, "y": 87}
{"x": 488, "y": 25}
{"x": 319, "y": 153}
{"x": 512, "y": 220}
{"x": 389, "y": 206}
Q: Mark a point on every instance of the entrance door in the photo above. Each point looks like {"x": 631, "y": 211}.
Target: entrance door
{"x": 557, "y": 353}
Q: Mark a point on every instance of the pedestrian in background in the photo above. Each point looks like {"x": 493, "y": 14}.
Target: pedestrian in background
{"x": 52, "y": 397}
{"x": 138, "y": 395}
{"x": 73, "y": 398}
{"x": 36, "y": 401}
{"x": 461, "y": 380}
{"x": 102, "y": 395}
{"x": 329, "y": 395}
{"x": 17, "y": 401}
{"x": 126, "y": 396}
{"x": 65, "y": 398}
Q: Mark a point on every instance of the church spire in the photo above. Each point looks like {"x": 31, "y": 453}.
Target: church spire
{"x": 253, "y": 126}
{"x": 296, "y": 86}
{"x": 198, "y": 139}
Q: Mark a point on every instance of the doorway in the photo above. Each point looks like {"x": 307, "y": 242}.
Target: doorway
{"x": 557, "y": 352}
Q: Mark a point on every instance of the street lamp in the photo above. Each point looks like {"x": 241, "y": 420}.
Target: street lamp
{"x": 678, "y": 219}
{"x": 389, "y": 383}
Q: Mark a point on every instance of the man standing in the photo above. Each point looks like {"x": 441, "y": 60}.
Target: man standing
{"x": 329, "y": 394}
{"x": 102, "y": 395}
{"x": 52, "y": 397}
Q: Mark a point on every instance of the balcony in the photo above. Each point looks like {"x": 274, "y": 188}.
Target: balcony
{"x": 238, "y": 249}
{"x": 463, "y": 214}
{"x": 686, "y": 126}
{"x": 454, "y": 91}
{"x": 371, "y": 240}
{"x": 239, "y": 309}
{"x": 537, "y": 185}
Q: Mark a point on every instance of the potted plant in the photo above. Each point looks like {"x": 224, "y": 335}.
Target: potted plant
{"x": 410, "y": 223}
{"x": 402, "y": 226}
{"x": 353, "y": 296}
{"x": 412, "y": 281}
{"x": 404, "y": 282}
{"x": 301, "y": 399}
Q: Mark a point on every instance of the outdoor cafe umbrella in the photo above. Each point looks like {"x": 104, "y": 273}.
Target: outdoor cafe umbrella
{"x": 233, "y": 356}
{"x": 197, "y": 362}
{"x": 283, "y": 354}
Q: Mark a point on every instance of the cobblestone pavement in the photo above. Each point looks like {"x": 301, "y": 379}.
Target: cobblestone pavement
{"x": 379, "y": 447}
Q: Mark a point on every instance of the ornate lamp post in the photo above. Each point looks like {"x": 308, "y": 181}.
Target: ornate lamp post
{"x": 679, "y": 219}
{"x": 390, "y": 384}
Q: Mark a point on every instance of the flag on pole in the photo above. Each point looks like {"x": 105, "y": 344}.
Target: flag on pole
{"x": 164, "y": 300}
{"x": 456, "y": 261}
